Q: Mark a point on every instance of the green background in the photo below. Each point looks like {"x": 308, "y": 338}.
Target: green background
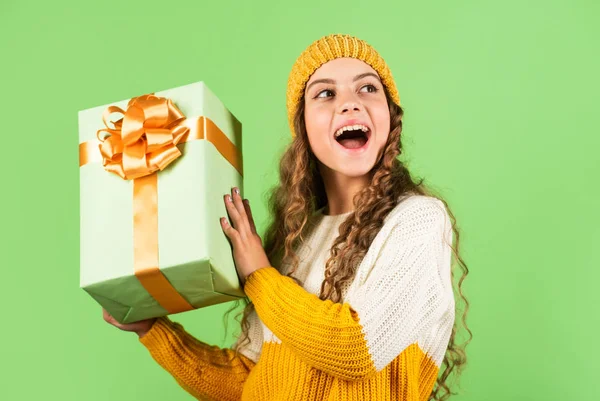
{"x": 500, "y": 100}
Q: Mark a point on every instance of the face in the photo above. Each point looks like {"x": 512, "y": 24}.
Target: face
{"x": 347, "y": 116}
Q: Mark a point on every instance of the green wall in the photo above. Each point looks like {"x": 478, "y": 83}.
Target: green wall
{"x": 501, "y": 102}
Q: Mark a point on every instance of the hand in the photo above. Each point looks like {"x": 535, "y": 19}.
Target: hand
{"x": 248, "y": 252}
{"x": 140, "y": 328}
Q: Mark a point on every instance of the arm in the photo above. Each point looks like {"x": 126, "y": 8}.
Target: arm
{"x": 202, "y": 370}
{"x": 405, "y": 295}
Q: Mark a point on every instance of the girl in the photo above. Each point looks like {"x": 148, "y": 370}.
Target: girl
{"x": 351, "y": 297}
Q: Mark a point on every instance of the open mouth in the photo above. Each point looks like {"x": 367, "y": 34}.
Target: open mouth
{"x": 353, "y": 136}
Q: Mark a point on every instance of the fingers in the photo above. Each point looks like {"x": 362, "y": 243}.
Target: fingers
{"x": 229, "y": 231}
{"x": 237, "y": 200}
{"x": 237, "y": 213}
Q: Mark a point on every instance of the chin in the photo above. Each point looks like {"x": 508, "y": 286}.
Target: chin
{"x": 348, "y": 168}
{"x": 354, "y": 172}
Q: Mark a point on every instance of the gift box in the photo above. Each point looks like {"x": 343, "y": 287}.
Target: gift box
{"x": 153, "y": 172}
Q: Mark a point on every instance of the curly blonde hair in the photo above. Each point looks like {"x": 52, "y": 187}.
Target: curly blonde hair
{"x": 301, "y": 192}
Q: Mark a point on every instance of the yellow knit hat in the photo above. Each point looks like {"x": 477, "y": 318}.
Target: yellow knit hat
{"x": 326, "y": 49}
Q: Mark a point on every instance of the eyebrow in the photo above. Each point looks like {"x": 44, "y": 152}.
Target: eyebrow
{"x": 332, "y": 81}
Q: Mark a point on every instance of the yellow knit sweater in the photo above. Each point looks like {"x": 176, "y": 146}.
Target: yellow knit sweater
{"x": 386, "y": 341}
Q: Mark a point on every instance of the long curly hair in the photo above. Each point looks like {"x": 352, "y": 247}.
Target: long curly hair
{"x": 301, "y": 192}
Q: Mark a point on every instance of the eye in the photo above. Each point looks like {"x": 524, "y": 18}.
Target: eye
{"x": 370, "y": 88}
{"x": 326, "y": 91}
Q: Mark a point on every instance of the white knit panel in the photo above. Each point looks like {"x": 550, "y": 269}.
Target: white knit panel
{"x": 319, "y": 234}
{"x": 402, "y": 292}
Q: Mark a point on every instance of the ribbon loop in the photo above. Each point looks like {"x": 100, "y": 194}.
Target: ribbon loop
{"x": 144, "y": 139}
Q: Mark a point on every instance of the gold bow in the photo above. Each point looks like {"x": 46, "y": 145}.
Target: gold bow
{"x": 144, "y": 140}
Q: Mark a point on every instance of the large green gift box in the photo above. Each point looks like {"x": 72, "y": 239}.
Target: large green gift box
{"x": 153, "y": 172}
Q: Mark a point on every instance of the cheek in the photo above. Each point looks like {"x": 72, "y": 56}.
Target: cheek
{"x": 317, "y": 126}
{"x": 381, "y": 119}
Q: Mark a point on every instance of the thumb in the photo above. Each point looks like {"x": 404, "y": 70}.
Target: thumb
{"x": 109, "y": 319}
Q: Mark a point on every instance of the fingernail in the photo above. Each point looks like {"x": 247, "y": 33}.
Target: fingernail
{"x": 236, "y": 190}
{"x": 228, "y": 197}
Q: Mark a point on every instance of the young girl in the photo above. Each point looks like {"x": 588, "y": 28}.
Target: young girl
{"x": 351, "y": 297}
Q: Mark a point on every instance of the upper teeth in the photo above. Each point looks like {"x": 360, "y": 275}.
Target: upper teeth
{"x": 351, "y": 128}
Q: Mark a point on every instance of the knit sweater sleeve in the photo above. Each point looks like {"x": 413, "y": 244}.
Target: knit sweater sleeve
{"x": 403, "y": 296}
{"x": 204, "y": 371}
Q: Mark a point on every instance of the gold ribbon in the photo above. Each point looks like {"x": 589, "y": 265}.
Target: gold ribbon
{"x": 137, "y": 146}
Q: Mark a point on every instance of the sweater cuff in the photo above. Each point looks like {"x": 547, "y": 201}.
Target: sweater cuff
{"x": 158, "y": 335}
{"x": 258, "y": 279}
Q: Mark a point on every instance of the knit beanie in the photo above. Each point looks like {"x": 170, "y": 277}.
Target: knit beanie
{"x": 326, "y": 49}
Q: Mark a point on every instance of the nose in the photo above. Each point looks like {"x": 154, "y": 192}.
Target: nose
{"x": 348, "y": 103}
{"x": 349, "y": 107}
